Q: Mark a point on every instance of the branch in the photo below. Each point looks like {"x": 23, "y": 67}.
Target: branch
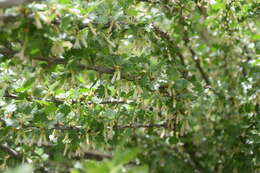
{"x": 54, "y": 61}
{"x": 6, "y": 51}
{"x": 203, "y": 73}
{"x": 10, "y": 151}
{"x": 3, "y": 123}
{"x": 100, "y": 69}
{"x": 12, "y": 96}
{"x": 150, "y": 1}
{"x": 93, "y": 155}
{"x": 9, "y": 18}
{"x": 198, "y": 65}
{"x": 87, "y": 130}
{"x": 135, "y": 126}
{"x": 11, "y": 3}
{"x": 166, "y": 36}
{"x": 111, "y": 102}
{"x": 190, "y": 149}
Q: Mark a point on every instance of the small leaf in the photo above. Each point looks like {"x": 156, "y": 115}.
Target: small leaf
{"x": 26, "y": 168}
{"x": 67, "y": 44}
{"x": 27, "y": 85}
{"x": 93, "y": 6}
{"x": 123, "y": 157}
{"x": 81, "y": 78}
{"x": 96, "y": 167}
{"x": 42, "y": 102}
{"x": 10, "y": 108}
{"x": 139, "y": 169}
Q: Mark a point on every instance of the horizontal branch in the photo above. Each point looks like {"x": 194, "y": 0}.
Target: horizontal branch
{"x": 8, "y": 18}
{"x": 55, "y": 61}
{"x": 87, "y": 130}
{"x": 92, "y": 155}
{"x": 99, "y": 69}
{"x": 6, "y": 51}
{"x": 54, "y": 100}
{"x": 11, "y": 3}
{"x": 135, "y": 126}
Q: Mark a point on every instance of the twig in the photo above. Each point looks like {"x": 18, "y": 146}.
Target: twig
{"x": 190, "y": 150}
{"x": 11, "y": 3}
{"x": 166, "y": 36}
{"x": 110, "y": 102}
{"x": 9, "y": 18}
{"x": 87, "y": 130}
{"x": 134, "y": 126}
{"x": 54, "y": 100}
{"x": 10, "y": 151}
{"x": 197, "y": 61}
{"x": 93, "y": 155}
{"x": 198, "y": 65}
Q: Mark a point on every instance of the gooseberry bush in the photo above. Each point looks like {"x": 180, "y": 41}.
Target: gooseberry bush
{"x": 129, "y": 86}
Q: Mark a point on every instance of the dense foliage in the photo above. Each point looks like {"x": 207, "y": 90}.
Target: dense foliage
{"x": 131, "y": 86}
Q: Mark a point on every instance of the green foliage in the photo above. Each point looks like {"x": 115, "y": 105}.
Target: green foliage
{"x": 21, "y": 169}
{"x": 113, "y": 166}
{"x": 132, "y": 86}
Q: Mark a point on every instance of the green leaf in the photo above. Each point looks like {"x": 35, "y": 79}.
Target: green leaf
{"x": 93, "y": 6}
{"x": 50, "y": 108}
{"x": 27, "y": 85}
{"x": 124, "y": 156}
{"x": 42, "y": 102}
{"x": 96, "y": 167}
{"x": 65, "y": 1}
{"x": 81, "y": 78}
{"x": 10, "y": 108}
{"x": 255, "y": 37}
{"x": 25, "y": 168}
{"x": 139, "y": 169}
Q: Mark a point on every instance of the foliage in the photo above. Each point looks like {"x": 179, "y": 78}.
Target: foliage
{"x": 127, "y": 85}
{"x": 21, "y": 169}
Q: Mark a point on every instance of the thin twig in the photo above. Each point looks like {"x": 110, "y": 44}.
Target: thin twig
{"x": 92, "y": 155}
{"x": 87, "y": 130}
{"x": 12, "y": 96}
{"x": 10, "y": 151}
{"x": 134, "y": 126}
{"x": 198, "y": 65}
{"x": 11, "y": 3}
